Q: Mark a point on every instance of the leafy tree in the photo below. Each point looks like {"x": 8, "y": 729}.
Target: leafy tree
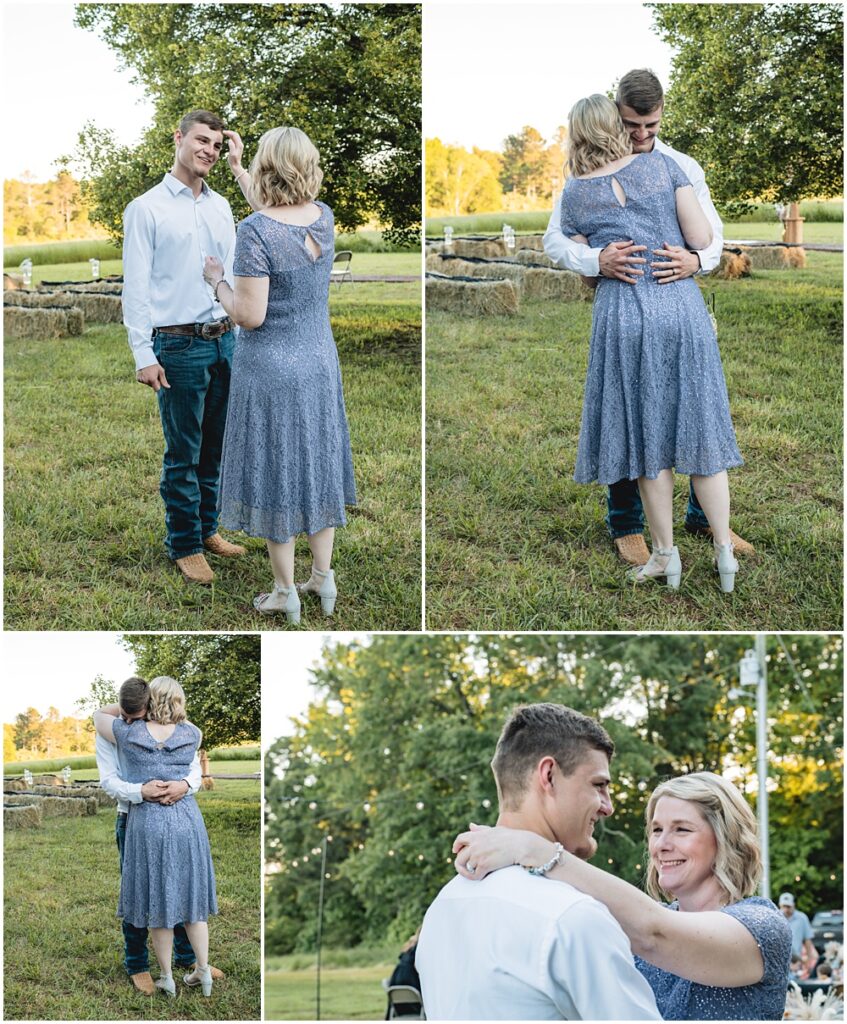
{"x": 530, "y": 165}
{"x": 220, "y": 675}
{"x": 9, "y": 751}
{"x": 100, "y": 693}
{"x": 392, "y": 758}
{"x": 458, "y": 181}
{"x": 756, "y": 97}
{"x": 347, "y": 74}
{"x": 29, "y": 730}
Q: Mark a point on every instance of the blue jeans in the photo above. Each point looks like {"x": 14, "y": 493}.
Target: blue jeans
{"x": 193, "y": 413}
{"x": 625, "y": 513}
{"x": 136, "y": 960}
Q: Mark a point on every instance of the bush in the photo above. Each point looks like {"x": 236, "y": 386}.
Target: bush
{"x": 372, "y": 241}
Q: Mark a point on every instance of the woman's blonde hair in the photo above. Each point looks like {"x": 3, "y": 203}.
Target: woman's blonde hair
{"x": 167, "y": 701}
{"x": 596, "y": 134}
{"x": 738, "y": 862}
{"x": 286, "y": 168}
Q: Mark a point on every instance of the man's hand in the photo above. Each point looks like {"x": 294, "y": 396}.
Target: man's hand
{"x": 235, "y": 151}
{"x": 173, "y": 792}
{"x": 618, "y": 260}
{"x": 154, "y": 790}
{"x": 153, "y": 376}
{"x": 676, "y": 263}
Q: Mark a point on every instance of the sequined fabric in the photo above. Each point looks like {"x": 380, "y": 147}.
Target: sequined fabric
{"x": 167, "y": 875}
{"x": 655, "y": 395}
{"x": 679, "y": 999}
{"x": 287, "y": 465}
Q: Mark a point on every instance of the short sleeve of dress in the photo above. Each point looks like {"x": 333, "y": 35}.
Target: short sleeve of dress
{"x": 567, "y": 219}
{"x": 678, "y": 176}
{"x": 251, "y": 256}
{"x": 771, "y": 932}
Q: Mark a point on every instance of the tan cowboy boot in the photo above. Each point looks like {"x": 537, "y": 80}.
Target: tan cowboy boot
{"x": 143, "y": 983}
{"x": 218, "y": 546}
{"x": 741, "y": 546}
{"x": 216, "y": 975}
{"x": 195, "y": 569}
{"x": 632, "y": 549}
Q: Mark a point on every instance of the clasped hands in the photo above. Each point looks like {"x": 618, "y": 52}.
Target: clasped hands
{"x": 620, "y": 260}
{"x": 158, "y": 792}
{"x": 213, "y": 271}
{"x": 482, "y": 850}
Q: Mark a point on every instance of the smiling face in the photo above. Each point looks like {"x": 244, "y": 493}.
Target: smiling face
{"x": 197, "y": 151}
{"x": 580, "y": 800}
{"x": 641, "y": 128}
{"x": 682, "y": 847}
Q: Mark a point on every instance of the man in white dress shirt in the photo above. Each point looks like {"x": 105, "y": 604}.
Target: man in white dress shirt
{"x": 516, "y": 946}
{"x": 640, "y": 100}
{"x": 133, "y": 698}
{"x": 180, "y": 336}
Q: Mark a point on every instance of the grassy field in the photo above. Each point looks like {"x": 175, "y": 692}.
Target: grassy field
{"x": 87, "y": 762}
{"x": 513, "y": 543}
{"x": 84, "y": 520}
{"x": 824, "y": 232}
{"x": 63, "y": 948}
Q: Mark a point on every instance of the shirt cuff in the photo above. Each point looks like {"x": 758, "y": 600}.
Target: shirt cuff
{"x": 144, "y": 356}
{"x": 133, "y": 793}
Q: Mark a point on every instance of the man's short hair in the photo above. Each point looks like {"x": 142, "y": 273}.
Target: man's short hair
{"x": 534, "y": 731}
{"x": 201, "y": 117}
{"x": 641, "y": 90}
{"x": 134, "y": 695}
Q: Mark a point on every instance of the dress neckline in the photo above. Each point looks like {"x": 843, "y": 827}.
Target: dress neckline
{"x": 612, "y": 174}
{"x": 288, "y": 224}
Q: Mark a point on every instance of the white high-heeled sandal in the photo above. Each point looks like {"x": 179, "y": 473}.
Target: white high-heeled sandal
{"x": 165, "y": 984}
{"x": 662, "y": 562}
{"x": 727, "y": 566}
{"x": 201, "y": 976}
{"x": 325, "y": 589}
{"x": 280, "y": 599}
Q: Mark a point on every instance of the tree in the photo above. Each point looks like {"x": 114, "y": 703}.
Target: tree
{"x": 347, "y": 74}
{"x": 100, "y": 693}
{"x": 219, "y": 673}
{"x": 9, "y": 752}
{"x": 392, "y": 759}
{"x": 756, "y": 97}
{"x": 29, "y": 730}
{"x": 458, "y": 181}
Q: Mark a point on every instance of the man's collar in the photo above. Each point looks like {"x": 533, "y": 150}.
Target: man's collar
{"x": 175, "y": 186}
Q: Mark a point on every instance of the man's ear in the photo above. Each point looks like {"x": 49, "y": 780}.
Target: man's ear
{"x": 177, "y": 137}
{"x": 545, "y": 773}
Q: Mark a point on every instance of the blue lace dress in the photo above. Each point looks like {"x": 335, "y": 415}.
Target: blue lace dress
{"x": 655, "y": 395}
{"x": 167, "y": 876}
{"x": 287, "y": 466}
{"x": 679, "y": 999}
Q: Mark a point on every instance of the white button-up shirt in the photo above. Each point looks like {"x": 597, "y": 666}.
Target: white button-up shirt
{"x": 583, "y": 260}
{"x": 112, "y": 780}
{"x": 519, "y": 947}
{"x": 168, "y": 233}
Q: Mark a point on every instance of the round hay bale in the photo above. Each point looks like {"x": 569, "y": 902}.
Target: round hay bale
{"x": 533, "y": 258}
{"x": 733, "y": 265}
{"x": 26, "y": 816}
{"x": 472, "y": 297}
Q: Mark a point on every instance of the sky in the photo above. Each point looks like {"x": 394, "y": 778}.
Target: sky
{"x": 487, "y": 75}
{"x": 43, "y": 670}
{"x": 56, "y": 77}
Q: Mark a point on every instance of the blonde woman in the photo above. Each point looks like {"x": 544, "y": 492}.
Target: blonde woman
{"x": 655, "y": 395}
{"x": 287, "y": 464}
{"x": 167, "y": 877}
{"x": 725, "y": 953}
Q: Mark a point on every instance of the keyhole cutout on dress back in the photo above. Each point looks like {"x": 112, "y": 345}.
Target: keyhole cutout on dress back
{"x": 620, "y": 195}
{"x": 312, "y": 246}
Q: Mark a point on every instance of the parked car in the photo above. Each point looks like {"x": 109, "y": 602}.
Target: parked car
{"x": 827, "y": 926}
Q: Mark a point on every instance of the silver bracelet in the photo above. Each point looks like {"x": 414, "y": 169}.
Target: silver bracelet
{"x": 243, "y": 172}
{"x": 542, "y": 869}
{"x": 215, "y": 289}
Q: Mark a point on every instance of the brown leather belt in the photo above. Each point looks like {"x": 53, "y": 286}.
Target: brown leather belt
{"x": 213, "y": 329}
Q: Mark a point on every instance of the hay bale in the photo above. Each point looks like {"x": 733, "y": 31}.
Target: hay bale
{"x": 734, "y": 264}
{"x": 766, "y": 257}
{"x": 472, "y": 297}
{"x": 434, "y": 248}
{"x": 530, "y": 242}
{"x": 49, "y": 780}
{"x": 89, "y": 288}
{"x": 795, "y": 257}
{"x": 534, "y": 258}
{"x": 34, "y": 324}
{"x": 14, "y": 784}
{"x": 454, "y": 266}
{"x": 12, "y": 282}
{"x": 487, "y": 248}
{"x": 102, "y": 309}
{"x": 539, "y": 283}
{"x": 66, "y": 806}
{"x": 25, "y": 816}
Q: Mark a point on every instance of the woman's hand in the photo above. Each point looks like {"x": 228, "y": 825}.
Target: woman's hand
{"x": 235, "y": 150}
{"x": 213, "y": 271}
{"x": 483, "y": 850}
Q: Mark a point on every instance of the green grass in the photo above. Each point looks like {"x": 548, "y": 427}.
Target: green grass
{"x": 824, "y": 232}
{"x": 84, "y": 762}
{"x": 347, "y": 993}
{"x": 63, "y": 948}
{"x": 513, "y": 543}
{"x": 84, "y": 520}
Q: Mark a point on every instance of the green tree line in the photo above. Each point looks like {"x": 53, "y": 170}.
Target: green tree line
{"x": 392, "y": 757}
{"x": 50, "y": 211}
